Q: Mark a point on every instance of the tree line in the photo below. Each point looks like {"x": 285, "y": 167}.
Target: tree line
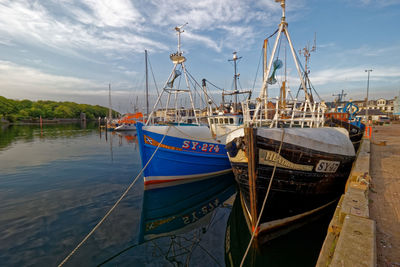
{"x": 16, "y": 110}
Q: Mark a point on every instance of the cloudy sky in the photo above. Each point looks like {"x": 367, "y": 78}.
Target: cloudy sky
{"x": 72, "y": 49}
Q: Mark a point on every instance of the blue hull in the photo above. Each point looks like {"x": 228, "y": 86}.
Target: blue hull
{"x": 179, "y": 160}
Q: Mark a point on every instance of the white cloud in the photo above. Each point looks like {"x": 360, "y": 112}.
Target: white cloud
{"x": 355, "y": 74}
{"x": 381, "y": 3}
{"x": 203, "y": 39}
{"x": 34, "y": 82}
{"x": 116, "y": 13}
{"x": 30, "y": 22}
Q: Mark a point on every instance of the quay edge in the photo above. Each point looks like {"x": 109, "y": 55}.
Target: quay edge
{"x": 351, "y": 235}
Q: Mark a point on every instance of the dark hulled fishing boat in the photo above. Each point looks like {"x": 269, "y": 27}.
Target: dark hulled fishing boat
{"x": 288, "y": 166}
{"x": 312, "y": 166}
{"x": 345, "y": 117}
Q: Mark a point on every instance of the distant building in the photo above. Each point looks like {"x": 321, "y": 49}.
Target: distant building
{"x": 373, "y": 115}
{"x": 396, "y": 106}
{"x": 387, "y": 106}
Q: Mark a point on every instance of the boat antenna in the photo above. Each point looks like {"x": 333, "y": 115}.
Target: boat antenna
{"x": 306, "y": 52}
{"x": 235, "y": 78}
{"x": 179, "y": 30}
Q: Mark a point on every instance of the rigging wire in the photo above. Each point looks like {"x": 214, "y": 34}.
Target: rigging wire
{"x": 200, "y": 87}
{"x": 214, "y": 85}
{"x": 154, "y": 79}
{"x": 258, "y": 68}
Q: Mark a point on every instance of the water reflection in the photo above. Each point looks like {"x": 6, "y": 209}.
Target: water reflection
{"x": 298, "y": 248}
{"x": 55, "y": 188}
{"x": 182, "y": 224}
{"x": 10, "y": 134}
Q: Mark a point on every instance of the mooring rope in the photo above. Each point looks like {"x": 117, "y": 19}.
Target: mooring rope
{"x": 265, "y": 199}
{"x": 115, "y": 205}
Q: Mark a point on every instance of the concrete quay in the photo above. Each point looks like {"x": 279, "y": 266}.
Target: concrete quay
{"x": 365, "y": 228}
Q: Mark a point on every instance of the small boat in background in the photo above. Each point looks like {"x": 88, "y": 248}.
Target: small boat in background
{"x": 125, "y": 127}
{"x": 128, "y": 121}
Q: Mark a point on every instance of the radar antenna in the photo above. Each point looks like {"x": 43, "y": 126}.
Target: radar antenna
{"x": 179, "y": 30}
{"x": 306, "y": 52}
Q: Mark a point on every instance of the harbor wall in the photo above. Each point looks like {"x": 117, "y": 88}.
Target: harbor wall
{"x": 351, "y": 235}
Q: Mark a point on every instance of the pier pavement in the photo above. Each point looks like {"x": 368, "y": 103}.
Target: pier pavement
{"x": 384, "y": 196}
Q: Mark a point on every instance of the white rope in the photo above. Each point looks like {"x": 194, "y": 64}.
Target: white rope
{"x": 265, "y": 199}
{"x": 113, "y": 207}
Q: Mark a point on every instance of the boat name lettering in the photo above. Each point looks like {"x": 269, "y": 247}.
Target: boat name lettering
{"x": 197, "y": 146}
{"x": 194, "y": 216}
{"x": 268, "y": 157}
{"x": 327, "y": 166}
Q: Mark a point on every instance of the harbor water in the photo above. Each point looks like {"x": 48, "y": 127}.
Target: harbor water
{"x": 56, "y": 183}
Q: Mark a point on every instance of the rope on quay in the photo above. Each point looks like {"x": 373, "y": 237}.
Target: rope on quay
{"x": 113, "y": 207}
{"x": 265, "y": 200}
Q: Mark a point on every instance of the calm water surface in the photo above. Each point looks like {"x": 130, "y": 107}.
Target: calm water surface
{"x": 56, "y": 184}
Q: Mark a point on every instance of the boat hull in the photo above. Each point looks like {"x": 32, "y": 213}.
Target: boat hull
{"x": 356, "y": 129}
{"x": 181, "y": 208}
{"x": 184, "y": 154}
{"x": 306, "y": 178}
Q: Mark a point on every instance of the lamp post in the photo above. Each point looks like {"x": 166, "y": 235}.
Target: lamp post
{"x": 366, "y": 104}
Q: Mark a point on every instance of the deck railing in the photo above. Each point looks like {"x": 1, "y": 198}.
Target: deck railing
{"x": 271, "y": 112}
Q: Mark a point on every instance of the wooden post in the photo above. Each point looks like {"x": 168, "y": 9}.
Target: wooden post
{"x": 265, "y": 59}
{"x": 252, "y": 175}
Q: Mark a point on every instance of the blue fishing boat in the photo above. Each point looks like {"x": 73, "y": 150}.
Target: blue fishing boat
{"x": 181, "y": 156}
{"x": 189, "y": 148}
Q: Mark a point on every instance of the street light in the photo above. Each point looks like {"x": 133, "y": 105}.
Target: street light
{"x": 366, "y": 104}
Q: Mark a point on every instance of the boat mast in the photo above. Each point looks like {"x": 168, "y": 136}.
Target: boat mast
{"x": 235, "y": 78}
{"x": 147, "y": 85}
{"x": 306, "y": 52}
{"x": 109, "y": 103}
{"x": 178, "y": 59}
{"x": 282, "y": 29}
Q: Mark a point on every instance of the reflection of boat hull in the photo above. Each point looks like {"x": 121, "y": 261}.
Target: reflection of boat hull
{"x": 303, "y": 247}
{"x": 177, "y": 209}
{"x": 312, "y": 169}
{"x": 180, "y": 156}
{"x": 126, "y": 127}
